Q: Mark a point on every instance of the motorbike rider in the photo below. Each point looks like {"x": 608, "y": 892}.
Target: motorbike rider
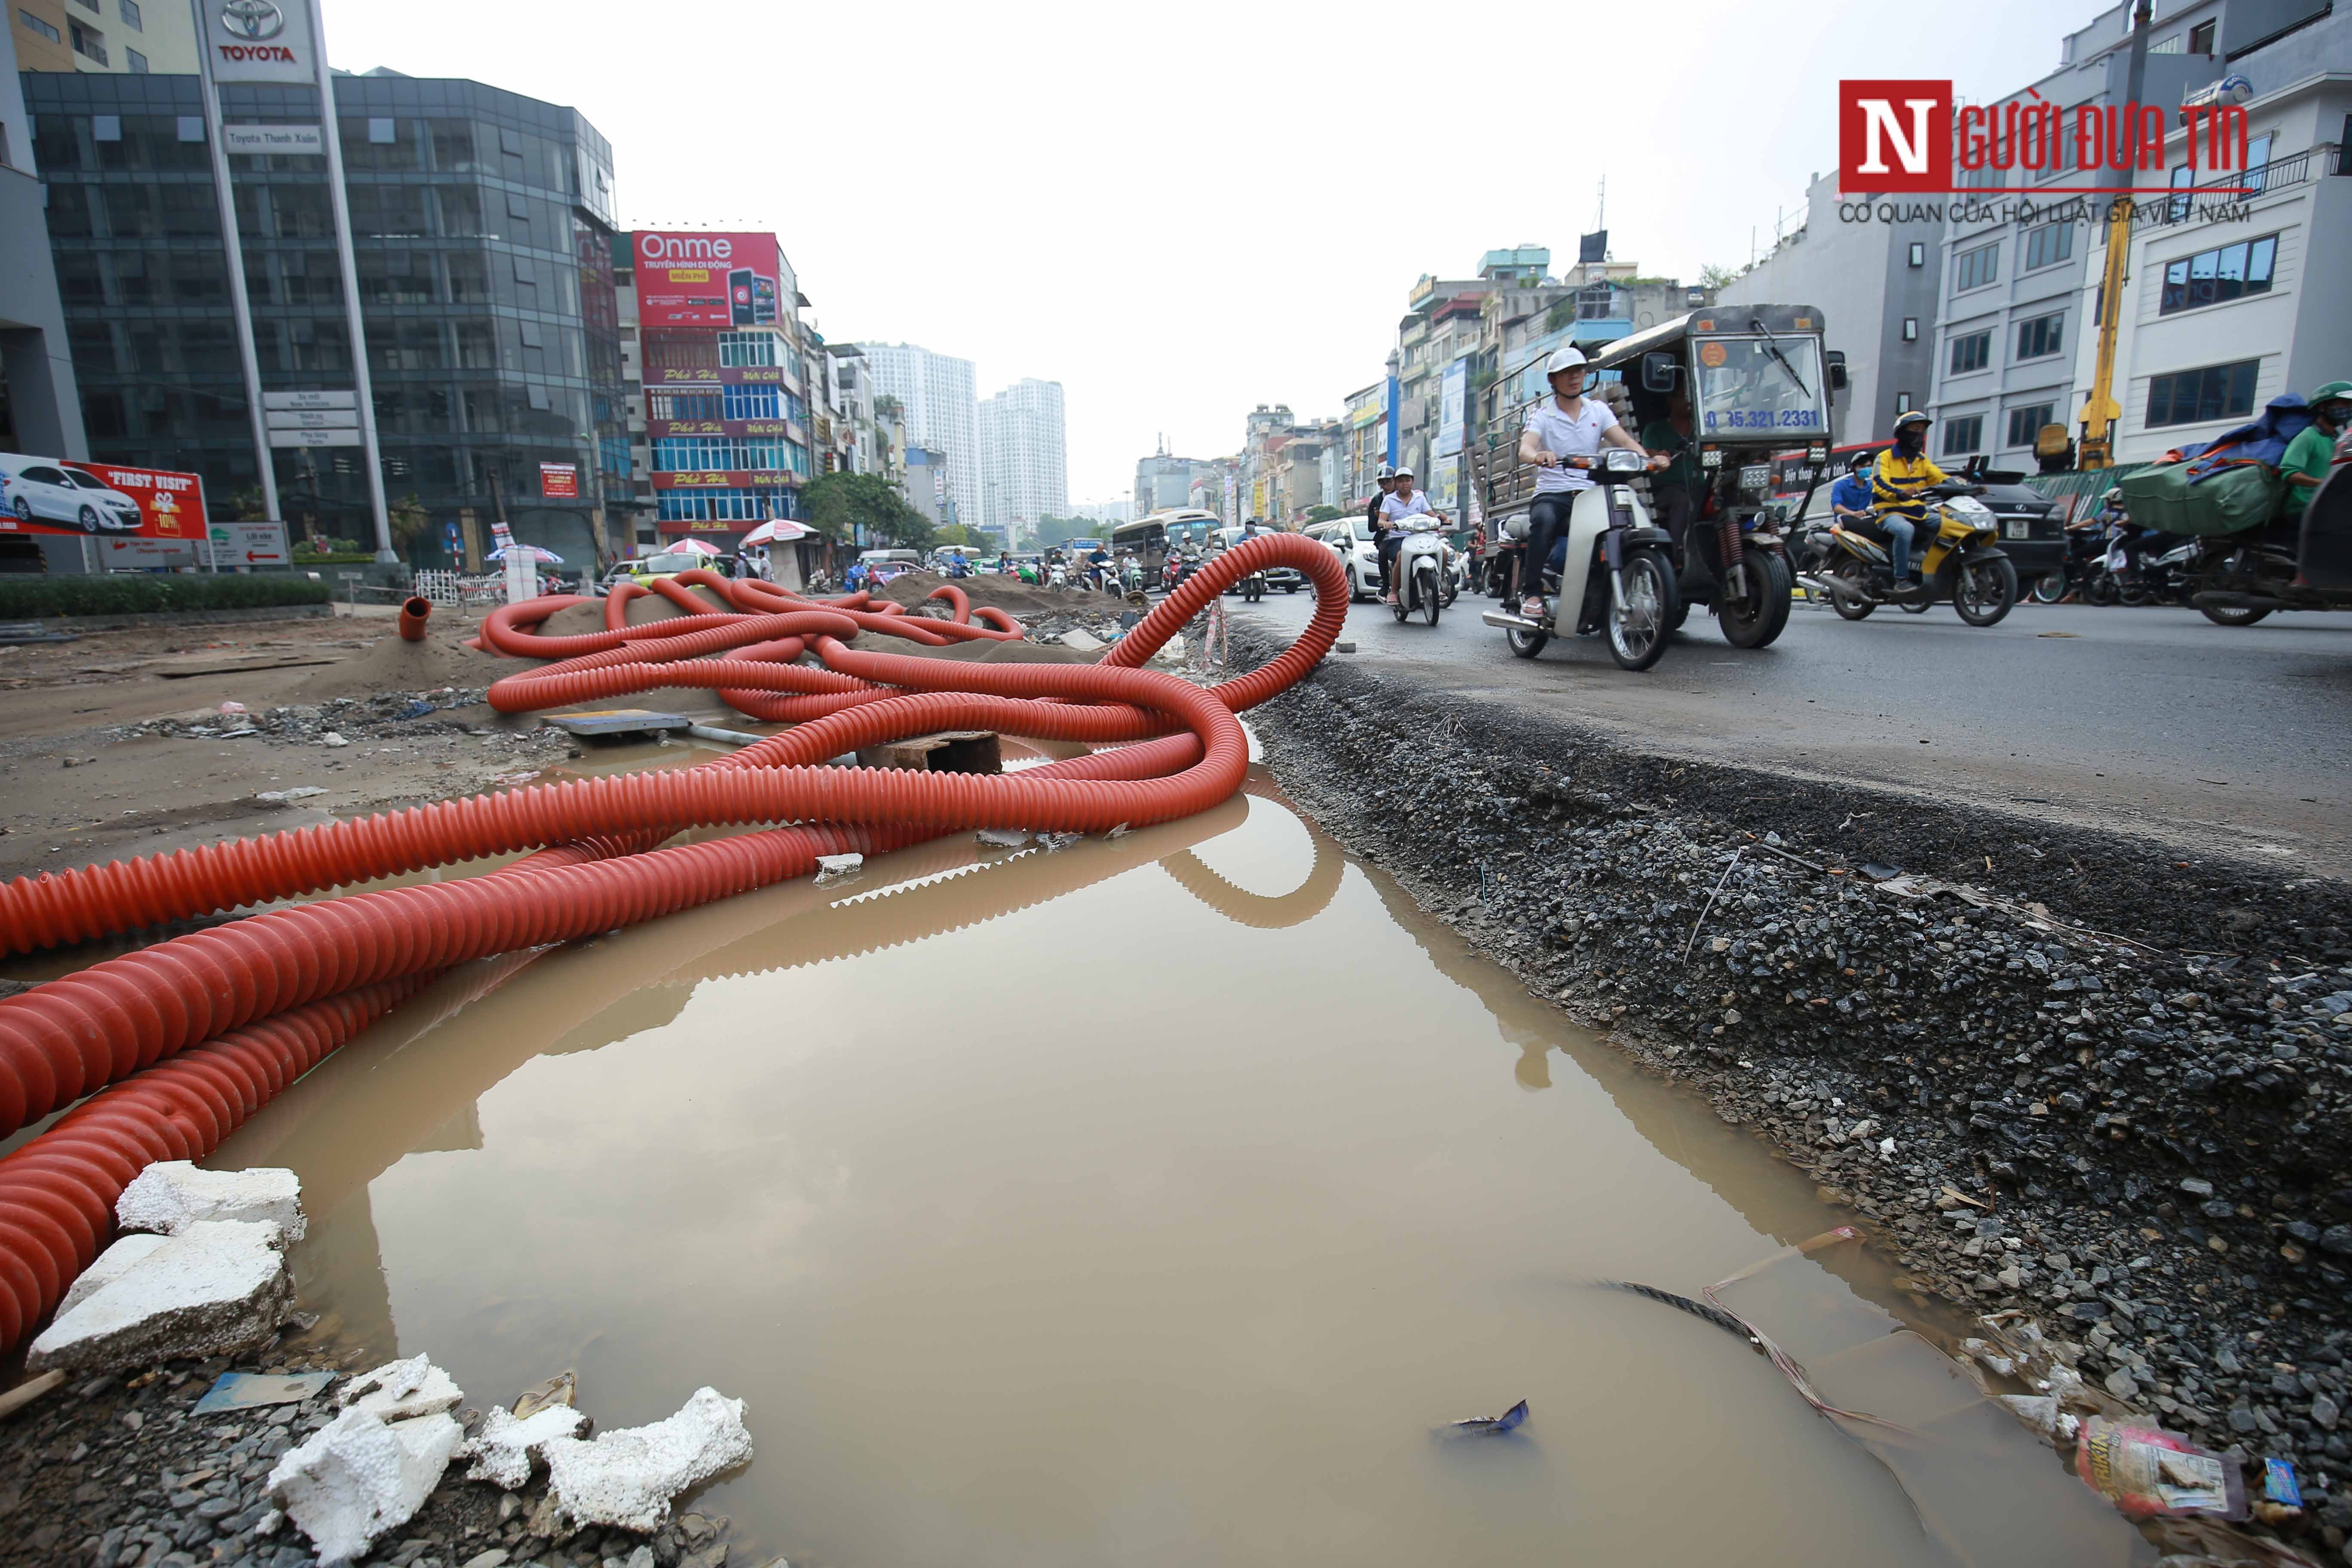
{"x": 1903, "y": 470}
{"x": 1401, "y": 503}
{"x": 1387, "y": 478}
{"x": 1566, "y": 424}
{"x": 1850, "y": 497}
{"x": 2309, "y": 454}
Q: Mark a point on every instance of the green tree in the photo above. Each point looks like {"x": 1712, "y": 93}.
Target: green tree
{"x": 1322, "y": 511}
{"x": 1714, "y": 277}
{"x": 1053, "y": 531}
{"x": 836, "y": 504}
{"x": 957, "y": 534}
{"x": 408, "y": 519}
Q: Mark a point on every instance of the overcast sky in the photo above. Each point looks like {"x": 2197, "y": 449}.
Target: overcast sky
{"x": 1182, "y": 212}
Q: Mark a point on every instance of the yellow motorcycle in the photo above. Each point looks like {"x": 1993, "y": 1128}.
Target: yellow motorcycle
{"x": 1960, "y": 560}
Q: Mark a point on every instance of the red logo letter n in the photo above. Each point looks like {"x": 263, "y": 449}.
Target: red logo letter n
{"x": 1894, "y": 136}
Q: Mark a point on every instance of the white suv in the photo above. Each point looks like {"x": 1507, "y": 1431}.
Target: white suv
{"x": 39, "y": 490}
{"x": 1351, "y": 536}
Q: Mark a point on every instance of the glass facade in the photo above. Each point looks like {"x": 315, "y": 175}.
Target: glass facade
{"x": 482, "y": 223}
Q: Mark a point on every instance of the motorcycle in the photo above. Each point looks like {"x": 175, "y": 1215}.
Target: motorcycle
{"x": 1420, "y": 570}
{"x": 1632, "y": 598}
{"x": 2138, "y": 566}
{"x": 1959, "y": 560}
{"x": 1059, "y": 576}
{"x": 2085, "y": 552}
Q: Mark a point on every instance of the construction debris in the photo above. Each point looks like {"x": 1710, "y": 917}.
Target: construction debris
{"x": 218, "y": 1286}
{"x": 628, "y": 1477}
{"x": 171, "y": 1194}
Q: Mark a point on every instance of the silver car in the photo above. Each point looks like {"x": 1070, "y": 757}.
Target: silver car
{"x": 37, "y": 490}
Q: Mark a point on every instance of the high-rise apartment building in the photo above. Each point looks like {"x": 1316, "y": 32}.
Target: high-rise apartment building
{"x": 1023, "y": 467}
{"x": 936, "y": 395}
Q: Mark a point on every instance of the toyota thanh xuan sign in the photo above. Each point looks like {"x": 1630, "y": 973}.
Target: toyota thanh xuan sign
{"x": 261, "y": 40}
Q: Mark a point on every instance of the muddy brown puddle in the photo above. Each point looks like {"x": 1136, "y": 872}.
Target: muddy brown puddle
{"x": 1147, "y": 1203}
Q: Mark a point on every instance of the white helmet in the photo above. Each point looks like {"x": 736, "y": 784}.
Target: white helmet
{"x": 1563, "y": 359}
{"x": 1402, "y": 472}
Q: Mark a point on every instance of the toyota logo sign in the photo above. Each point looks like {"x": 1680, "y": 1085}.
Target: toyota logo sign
{"x": 252, "y": 19}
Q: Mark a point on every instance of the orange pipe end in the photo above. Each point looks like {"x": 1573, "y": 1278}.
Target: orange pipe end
{"x": 413, "y": 613}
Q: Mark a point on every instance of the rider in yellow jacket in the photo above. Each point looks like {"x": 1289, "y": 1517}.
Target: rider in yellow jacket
{"x": 1903, "y": 472}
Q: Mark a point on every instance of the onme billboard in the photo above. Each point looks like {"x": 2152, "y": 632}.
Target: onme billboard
{"x": 48, "y": 495}
{"x": 699, "y": 280}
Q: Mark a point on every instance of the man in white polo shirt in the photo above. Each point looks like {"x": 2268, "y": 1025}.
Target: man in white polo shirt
{"x": 1566, "y": 424}
{"x": 1400, "y": 503}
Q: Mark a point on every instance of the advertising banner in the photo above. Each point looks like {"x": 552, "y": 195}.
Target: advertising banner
{"x": 261, "y": 40}
{"x": 658, "y": 428}
{"x": 716, "y": 376}
{"x": 1453, "y": 399}
{"x": 725, "y": 479}
{"x": 129, "y": 553}
{"x": 559, "y": 481}
{"x": 706, "y": 525}
{"x": 705, "y": 279}
{"x": 41, "y": 495}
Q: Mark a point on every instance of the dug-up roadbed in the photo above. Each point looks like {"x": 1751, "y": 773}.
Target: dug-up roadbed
{"x": 2060, "y": 1074}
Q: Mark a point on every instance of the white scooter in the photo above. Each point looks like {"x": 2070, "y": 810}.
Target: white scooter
{"x": 1420, "y": 570}
{"x": 1633, "y": 597}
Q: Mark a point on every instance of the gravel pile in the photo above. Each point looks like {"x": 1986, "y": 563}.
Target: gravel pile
{"x": 115, "y": 1472}
{"x": 2063, "y": 1073}
{"x": 448, "y": 716}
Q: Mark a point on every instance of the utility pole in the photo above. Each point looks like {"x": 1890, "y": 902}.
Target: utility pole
{"x": 2100, "y": 409}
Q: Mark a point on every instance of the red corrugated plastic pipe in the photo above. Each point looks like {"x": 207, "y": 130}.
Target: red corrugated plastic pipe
{"x": 413, "y": 613}
{"x": 318, "y": 969}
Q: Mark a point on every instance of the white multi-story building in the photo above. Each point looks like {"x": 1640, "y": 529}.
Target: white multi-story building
{"x": 2017, "y": 329}
{"x": 942, "y": 409}
{"x": 1023, "y": 469}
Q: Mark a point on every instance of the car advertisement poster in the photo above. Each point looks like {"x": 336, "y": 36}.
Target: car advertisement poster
{"x": 705, "y": 279}
{"x": 47, "y": 495}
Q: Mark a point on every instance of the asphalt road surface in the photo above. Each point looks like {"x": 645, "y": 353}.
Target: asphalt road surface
{"x": 2155, "y": 721}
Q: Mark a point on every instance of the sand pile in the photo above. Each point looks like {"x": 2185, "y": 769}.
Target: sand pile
{"x": 1005, "y": 593}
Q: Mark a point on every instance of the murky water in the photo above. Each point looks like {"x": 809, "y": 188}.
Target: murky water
{"x": 1146, "y": 1203}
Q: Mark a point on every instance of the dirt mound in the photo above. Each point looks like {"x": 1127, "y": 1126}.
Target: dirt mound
{"x": 391, "y": 664}
{"x": 1008, "y": 594}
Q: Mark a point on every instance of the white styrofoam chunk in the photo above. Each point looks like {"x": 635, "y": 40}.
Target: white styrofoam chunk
{"x": 358, "y": 1476}
{"x": 112, "y": 1265}
{"x": 503, "y": 1448}
{"x": 218, "y": 1287}
{"x": 171, "y": 1194}
{"x": 628, "y": 1477}
{"x": 401, "y": 1389}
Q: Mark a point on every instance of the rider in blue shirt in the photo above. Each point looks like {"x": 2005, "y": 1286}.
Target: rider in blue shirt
{"x": 1850, "y": 497}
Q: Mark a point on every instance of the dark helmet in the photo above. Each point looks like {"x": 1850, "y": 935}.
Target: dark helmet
{"x": 1860, "y": 462}
{"x": 1916, "y": 417}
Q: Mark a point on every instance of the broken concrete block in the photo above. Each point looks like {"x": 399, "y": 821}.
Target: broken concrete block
{"x": 113, "y": 1264}
{"x": 627, "y": 1478}
{"x": 401, "y": 1390}
{"x": 1084, "y": 641}
{"x": 171, "y": 1194}
{"x": 503, "y": 1450}
{"x": 836, "y": 867}
{"x": 216, "y": 1288}
{"x": 1171, "y": 652}
{"x": 358, "y": 1476}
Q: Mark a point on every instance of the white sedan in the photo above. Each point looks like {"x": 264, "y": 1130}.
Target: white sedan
{"x": 49, "y": 493}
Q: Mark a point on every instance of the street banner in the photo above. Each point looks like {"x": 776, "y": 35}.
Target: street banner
{"x": 248, "y": 544}
{"x": 559, "y": 481}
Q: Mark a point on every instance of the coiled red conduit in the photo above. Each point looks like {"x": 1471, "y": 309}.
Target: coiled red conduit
{"x": 235, "y": 1013}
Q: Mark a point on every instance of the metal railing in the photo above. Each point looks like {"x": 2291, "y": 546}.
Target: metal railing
{"x": 2317, "y": 161}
